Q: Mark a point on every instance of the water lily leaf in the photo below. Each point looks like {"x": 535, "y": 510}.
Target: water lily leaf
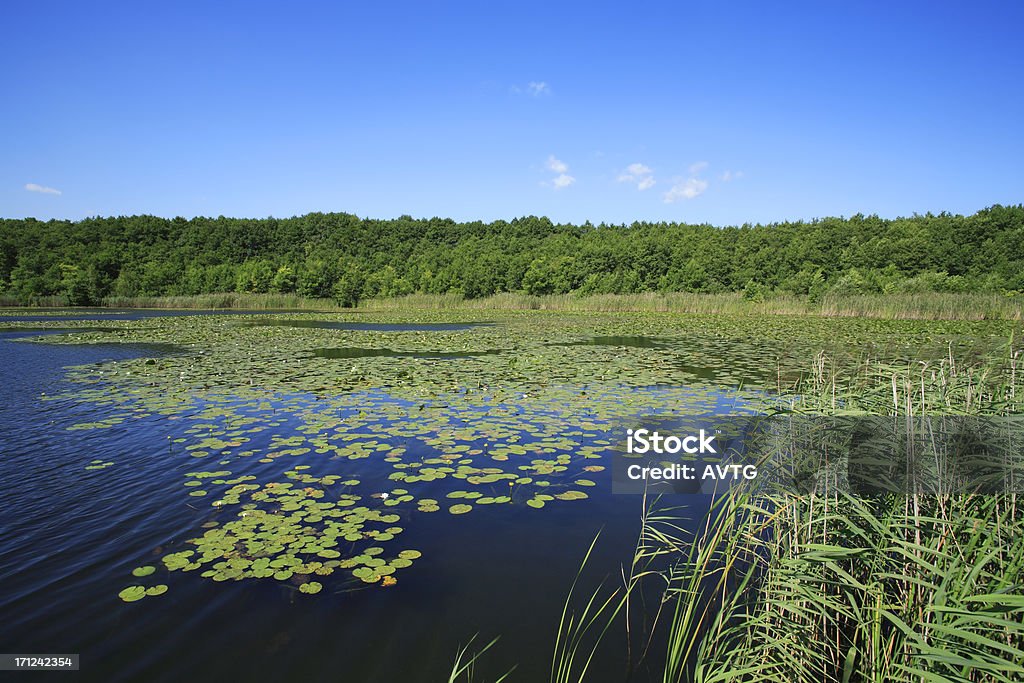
{"x": 132, "y": 593}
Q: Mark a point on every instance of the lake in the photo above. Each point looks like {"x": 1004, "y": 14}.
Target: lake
{"x": 295, "y": 496}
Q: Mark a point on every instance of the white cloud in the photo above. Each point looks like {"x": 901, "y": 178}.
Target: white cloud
{"x": 555, "y": 165}
{"x": 639, "y": 174}
{"x": 42, "y": 189}
{"x": 685, "y": 189}
{"x": 563, "y": 180}
{"x": 729, "y": 176}
{"x": 533, "y": 88}
{"x": 639, "y": 169}
{"x": 538, "y": 88}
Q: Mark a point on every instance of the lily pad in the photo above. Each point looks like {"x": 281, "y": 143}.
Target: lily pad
{"x": 132, "y": 593}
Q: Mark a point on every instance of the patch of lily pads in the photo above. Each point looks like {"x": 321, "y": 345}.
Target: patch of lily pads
{"x": 307, "y": 463}
{"x": 291, "y": 534}
{"x": 136, "y": 593}
{"x": 99, "y": 464}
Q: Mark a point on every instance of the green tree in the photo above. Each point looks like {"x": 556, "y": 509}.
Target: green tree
{"x": 254, "y": 276}
{"x": 284, "y": 280}
{"x": 348, "y": 289}
{"x": 315, "y": 279}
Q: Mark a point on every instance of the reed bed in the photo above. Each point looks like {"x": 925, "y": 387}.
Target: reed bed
{"x": 39, "y": 301}
{"x": 829, "y": 586}
{"x": 922, "y": 306}
{"x": 925, "y": 306}
{"x": 227, "y": 301}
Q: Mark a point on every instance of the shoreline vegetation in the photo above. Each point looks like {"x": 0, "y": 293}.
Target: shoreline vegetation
{"x": 920, "y": 306}
{"x": 526, "y": 262}
{"x": 828, "y": 585}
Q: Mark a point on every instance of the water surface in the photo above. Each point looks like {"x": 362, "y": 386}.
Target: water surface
{"x": 73, "y": 535}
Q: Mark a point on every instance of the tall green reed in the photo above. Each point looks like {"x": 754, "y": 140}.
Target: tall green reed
{"x": 831, "y": 586}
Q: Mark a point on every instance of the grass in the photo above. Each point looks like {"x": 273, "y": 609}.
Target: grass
{"x": 833, "y": 587}
{"x": 464, "y": 666}
{"x": 843, "y": 589}
{"x": 946, "y": 385}
{"x": 229, "y": 300}
{"x": 829, "y": 586}
{"x": 42, "y": 302}
{"x": 927, "y": 306}
{"x": 580, "y": 633}
{"x": 924, "y": 306}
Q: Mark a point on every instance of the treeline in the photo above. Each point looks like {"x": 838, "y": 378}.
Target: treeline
{"x": 348, "y": 258}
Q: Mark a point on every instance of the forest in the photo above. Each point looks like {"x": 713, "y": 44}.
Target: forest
{"x": 347, "y": 258}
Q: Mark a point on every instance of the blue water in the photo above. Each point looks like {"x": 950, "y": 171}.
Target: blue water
{"x": 70, "y": 537}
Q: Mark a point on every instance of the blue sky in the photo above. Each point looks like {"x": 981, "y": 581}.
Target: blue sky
{"x": 724, "y": 112}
